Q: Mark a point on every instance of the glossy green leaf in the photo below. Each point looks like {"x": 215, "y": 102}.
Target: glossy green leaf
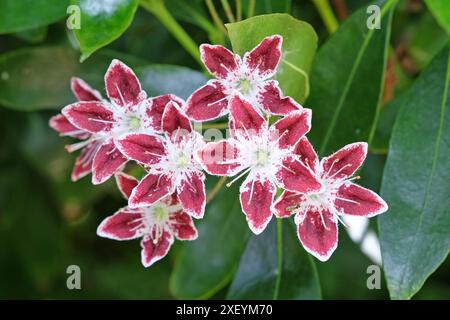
{"x": 380, "y": 142}
{"x": 299, "y": 48}
{"x": 19, "y": 15}
{"x": 39, "y": 78}
{"x": 34, "y": 35}
{"x": 102, "y": 21}
{"x": 206, "y": 265}
{"x": 427, "y": 39}
{"x": 160, "y": 79}
{"x": 275, "y": 266}
{"x": 441, "y": 11}
{"x": 414, "y": 233}
{"x": 347, "y": 81}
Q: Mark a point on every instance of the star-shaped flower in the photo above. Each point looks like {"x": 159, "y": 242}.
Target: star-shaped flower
{"x": 83, "y": 163}
{"x": 317, "y": 213}
{"x": 157, "y": 224}
{"x": 265, "y": 153}
{"x": 170, "y": 163}
{"x": 128, "y": 110}
{"x": 248, "y": 77}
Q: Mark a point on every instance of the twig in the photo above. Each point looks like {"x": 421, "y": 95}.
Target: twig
{"x": 213, "y": 13}
{"x": 216, "y": 189}
{"x": 228, "y": 12}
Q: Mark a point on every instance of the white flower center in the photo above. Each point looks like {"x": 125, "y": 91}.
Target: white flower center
{"x": 179, "y": 161}
{"x": 244, "y": 86}
{"x": 260, "y": 153}
{"x": 134, "y": 123}
{"x": 183, "y": 161}
{"x": 160, "y": 214}
{"x": 262, "y": 157}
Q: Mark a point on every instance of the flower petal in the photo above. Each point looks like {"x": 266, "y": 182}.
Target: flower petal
{"x": 219, "y": 61}
{"x": 152, "y": 188}
{"x": 157, "y": 107}
{"x": 60, "y": 124}
{"x": 153, "y": 252}
{"x": 273, "y": 101}
{"x": 295, "y": 176}
{"x": 107, "y": 161}
{"x": 141, "y": 147}
{"x": 359, "y": 201}
{"x": 207, "y": 103}
{"x": 317, "y": 239}
{"x": 182, "y": 226}
{"x": 345, "y": 162}
{"x": 217, "y": 158}
{"x": 256, "y": 198}
{"x": 174, "y": 122}
{"x": 83, "y": 91}
{"x": 83, "y": 163}
{"x": 191, "y": 194}
{"x": 284, "y": 205}
{"x": 306, "y": 153}
{"x": 266, "y": 56}
{"x": 92, "y": 116}
{"x": 290, "y": 129}
{"x": 244, "y": 117}
{"x": 123, "y": 225}
{"x": 125, "y": 183}
{"x": 122, "y": 85}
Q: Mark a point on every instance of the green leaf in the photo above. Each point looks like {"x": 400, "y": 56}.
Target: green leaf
{"x": 160, "y": 79}
{"x": 347, "y": 81}
{"x": 380, "y": 142}
{"x": 102, "y": 22}
{"x": 39, "y": 78}
{"x": 441, "y": 11}
{"x": 414, "y": 233}
{"x": 34, "y": 35}
{"x": 19, "y": 15}
{"x": 299, "y": 48}
{"x": 206, "y": 265}
{"x": 37, "y": 248}
{"x": 427, "y": 40}
{"x": 275, "y": 266}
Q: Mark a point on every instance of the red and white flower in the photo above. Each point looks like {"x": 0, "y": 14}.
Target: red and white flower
{"x": 170, "y": 163}
{"x": 266, "y": 154}
{"x": 317, "y": 213}
{"x": 158, "y": 225}
{"x": 83, "y": 163}
{"x": 248, "y": 77}
{"x": 128, "y": 110}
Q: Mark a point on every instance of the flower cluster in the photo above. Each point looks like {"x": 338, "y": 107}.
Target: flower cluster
{"x": 157, "y": 134}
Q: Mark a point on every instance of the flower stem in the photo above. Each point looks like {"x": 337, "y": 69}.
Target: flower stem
{"x": 279, "y": 258}
{"x": 327, "y": 15}
{"x": 238, "y": 10}
{"x": 227, "y": 9}
{"x": 159, "y": 10}
{"x": 251, "y": 8}
{"x": 215, "y": 16}
{"x": 215, "y": 190}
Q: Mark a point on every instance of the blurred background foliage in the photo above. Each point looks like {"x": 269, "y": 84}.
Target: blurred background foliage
{"x": 48, "y": 223}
